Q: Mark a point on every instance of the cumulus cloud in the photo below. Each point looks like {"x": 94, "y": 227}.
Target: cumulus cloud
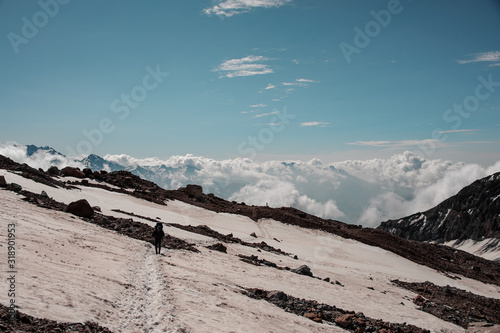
{"x": 229, "y": 8}
{"x": 247, "y": 66}
{"x": 277, "y": 193}
{"x": 411, "y": 183}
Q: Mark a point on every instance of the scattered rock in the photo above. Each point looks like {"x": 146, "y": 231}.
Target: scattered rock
{"x": 327, "y": 279}
{"x": 303, "y": 270}
{"x": 14, "y": 187}
{"x": 45, "y": 195}
{"x": 80, "y": 208}
{"x": 96, "y": 209}
{"x": 218, "y": 247}
{"x": 295, "y": 257}
{"x": 253, "y": 235}
{"x": 72, "y": 172}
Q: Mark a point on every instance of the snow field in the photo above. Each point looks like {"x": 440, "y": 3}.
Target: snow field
{"x": 70, "y": 270}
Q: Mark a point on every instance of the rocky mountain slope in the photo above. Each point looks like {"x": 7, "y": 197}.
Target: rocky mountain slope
{"x": 227, "y": 266}
{"x": 470, "y": 217}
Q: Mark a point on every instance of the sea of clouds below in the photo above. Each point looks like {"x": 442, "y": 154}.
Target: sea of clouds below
{"x": 361, "y": 192}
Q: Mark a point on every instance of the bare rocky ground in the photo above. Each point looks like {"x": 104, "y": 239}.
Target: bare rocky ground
{"x": 318, "y": 312}
{"x": 26, "y": 323}
{"x": 454, "y": 305}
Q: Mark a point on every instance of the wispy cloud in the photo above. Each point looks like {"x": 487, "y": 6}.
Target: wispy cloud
{"x": 261, "y": 105}
{"x": 229, "y": 8}
{"x": 270, "y": 86}
{"x": 492, "y": 56}
{"x": 299, "y": 83}
{"x": 459, "y": 131}
{"x": 314, "y": 123}
{"x": 306, "y": 80}
{"x": 396, "y": 144}
{"x": 247, "y": 66}
{"x": 270, "y": 124}
{"x": 265, "y": 114}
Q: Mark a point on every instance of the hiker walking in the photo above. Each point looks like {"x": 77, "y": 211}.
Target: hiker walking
{"x": 158, "y": 235}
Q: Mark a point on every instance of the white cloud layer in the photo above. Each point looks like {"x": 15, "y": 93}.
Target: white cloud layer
{"x": 357, "y": 191}
{"x": 229, "y": 8}
{"x": 40, "y": 159}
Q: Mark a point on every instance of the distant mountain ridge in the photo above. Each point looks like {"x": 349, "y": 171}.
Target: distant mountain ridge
{"x": 473, "y": 214}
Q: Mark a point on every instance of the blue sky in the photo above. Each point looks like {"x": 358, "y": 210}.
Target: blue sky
{"x": 267, "y": 79}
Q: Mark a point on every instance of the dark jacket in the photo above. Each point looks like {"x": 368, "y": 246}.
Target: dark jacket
{"x": 158, "y": 233}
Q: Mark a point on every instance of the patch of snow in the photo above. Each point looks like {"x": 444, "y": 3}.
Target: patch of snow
{"x": 488, "y": 248}
{"x": 444, "y": 218}
{"x": 420, "y": 218}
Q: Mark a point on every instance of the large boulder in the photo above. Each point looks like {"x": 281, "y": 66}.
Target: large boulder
{"x": 3, "y": 183}
{"x": 53, "y": 170}
{"x": 72, "y": 172}
{"x": 194, "y": 190}
{"x": 345, "y": 320}
{"x": 80, "y": 208}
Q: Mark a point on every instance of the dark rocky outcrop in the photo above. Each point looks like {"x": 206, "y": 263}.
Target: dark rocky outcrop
{"x": 473, "y": 213}
{"x": 80, "y": 208}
